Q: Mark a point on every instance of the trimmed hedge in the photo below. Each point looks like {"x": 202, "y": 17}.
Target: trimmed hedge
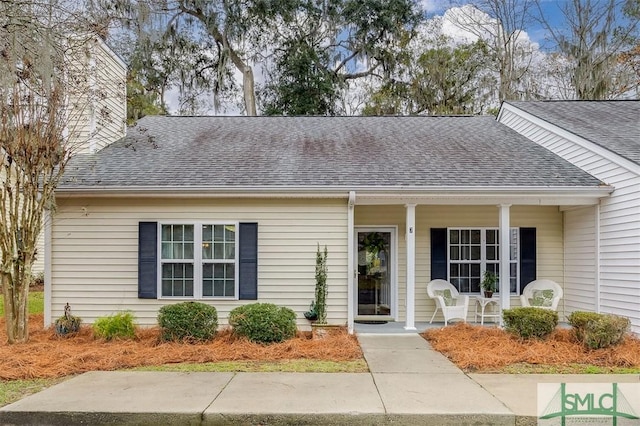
{"x": 578, "y": 321}
{"x": 530, "y": 322}
{"x": 263, "y": 322}
{"x": 598, "y": 331}
{"x": 188, "y": 321}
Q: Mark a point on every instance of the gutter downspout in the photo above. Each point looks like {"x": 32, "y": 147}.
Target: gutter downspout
{"x": 351, "y": 271}
{"x": 597, "y": 256}
{"x": 47, "y": 268}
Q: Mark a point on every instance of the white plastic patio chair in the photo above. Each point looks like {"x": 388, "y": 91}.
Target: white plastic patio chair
{"x": 544, "y": 294}
{"x": 452, "y": 304}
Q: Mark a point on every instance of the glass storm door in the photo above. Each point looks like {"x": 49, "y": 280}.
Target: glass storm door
{"x": 374, "y": 272}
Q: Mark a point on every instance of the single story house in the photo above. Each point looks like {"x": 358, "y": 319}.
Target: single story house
{"x": 231, "y": 210}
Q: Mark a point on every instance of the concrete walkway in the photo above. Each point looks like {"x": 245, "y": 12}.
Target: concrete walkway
{"x": 408, "y": 383}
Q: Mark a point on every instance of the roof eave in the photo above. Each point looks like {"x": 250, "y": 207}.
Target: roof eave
{"x": 528, "y": 195}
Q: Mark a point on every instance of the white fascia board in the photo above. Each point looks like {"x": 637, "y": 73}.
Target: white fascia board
{"x": 369, "y": 195}
{"x": 572, "y": 137}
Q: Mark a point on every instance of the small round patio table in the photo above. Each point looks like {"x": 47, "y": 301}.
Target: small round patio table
{"x": 483, "y": 303}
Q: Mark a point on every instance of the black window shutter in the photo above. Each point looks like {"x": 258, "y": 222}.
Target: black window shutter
{"x": 439, "y": 253}
{"x": 527, "y": 256}
{"x": 248, "y": 277}
{"x": 148, "y": 260}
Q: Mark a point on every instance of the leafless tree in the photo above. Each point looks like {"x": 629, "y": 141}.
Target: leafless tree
{"x": 592, "y": 37}
{"x": 40, "y": 76}
{"x": 503, "y": 35}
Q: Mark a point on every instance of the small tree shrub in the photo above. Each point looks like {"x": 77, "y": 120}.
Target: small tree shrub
{"x": 188, "y": 321}
{"x": 598, "y": 330}
{"x": 117, "y": 326}
{"x": 321, "y": 285}
{"x": 263, "y": 322}
{"x": 529, "y": 322}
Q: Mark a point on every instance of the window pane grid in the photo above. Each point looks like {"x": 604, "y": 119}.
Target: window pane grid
{"x": 177, "y": 242}
{"x": 210, "y": 273}
{"x": 218, "y": 280}
{"x": 218, "y": 242}
{"x": 177, "y": 279}
{"x": 472, "y": 251}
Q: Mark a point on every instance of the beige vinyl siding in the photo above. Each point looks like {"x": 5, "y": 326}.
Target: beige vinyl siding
{"x": 95, "y": 251}
{"x": 546, "y": 220}
{"x": 580, "y": 256}
{"x": 38, "y": 264}
{"x": 98, "y": 114}
{"x": 619, "y": 215}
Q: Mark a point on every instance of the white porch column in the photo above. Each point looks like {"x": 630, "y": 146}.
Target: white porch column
{"x": 410, "y": 237}
{"x": 505, "y": 267}
{"x": 351, "y": 270}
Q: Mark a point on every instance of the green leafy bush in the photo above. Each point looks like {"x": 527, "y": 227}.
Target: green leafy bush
{"x": 188, "y": 321}
{"x": 598, "y": 330}
{"x": 529, "y": 322}
{"x": 578, "y": 321}
{"x": 263, "y": 322}
{"x": 117, "y": 326}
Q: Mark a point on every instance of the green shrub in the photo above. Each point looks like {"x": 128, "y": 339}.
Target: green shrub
{"x": 529, "y": 322}
{"x": 598, "y": 330}
{"x": 578, "y": 321}
{"x": 118, "y": 326}
{"x": 263, "y": 322}
{"x": 188, "y": 321}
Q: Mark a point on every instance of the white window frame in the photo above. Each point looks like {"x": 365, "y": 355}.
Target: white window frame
{"x": 483, "y": 253}
{"x": 198, "y": 261}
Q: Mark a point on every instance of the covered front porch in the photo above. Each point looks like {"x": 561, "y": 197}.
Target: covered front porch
{"x": 399, "y": 242}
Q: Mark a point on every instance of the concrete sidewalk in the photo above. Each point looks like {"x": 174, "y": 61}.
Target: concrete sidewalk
{"x": 408, "y": 383}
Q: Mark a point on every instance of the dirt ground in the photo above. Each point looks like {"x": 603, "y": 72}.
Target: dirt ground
{"x": 47, "y": 355}
{"x": 471, "y": 348}
{"x": 475, "y": 348}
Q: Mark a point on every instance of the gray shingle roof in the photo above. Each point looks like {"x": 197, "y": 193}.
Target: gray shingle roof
{"x": 614, "y": 125}
{"x": 323, "y": 151}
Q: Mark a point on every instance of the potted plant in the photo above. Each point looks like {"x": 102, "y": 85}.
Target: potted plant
{"x": 488, "y": 284}
{"x": 311, "y": 314}
{"x": 67, "y": 323}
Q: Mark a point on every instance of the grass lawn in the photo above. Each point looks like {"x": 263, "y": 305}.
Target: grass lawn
{"x": 36, "y": 303}
{"x": 13, "y": 390}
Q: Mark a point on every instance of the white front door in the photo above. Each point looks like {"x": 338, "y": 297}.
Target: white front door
{"x": 375, "y": 283}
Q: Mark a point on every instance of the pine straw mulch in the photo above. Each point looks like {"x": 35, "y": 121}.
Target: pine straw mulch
{"x": 476, "y": 348}
{"x": 47, "y": 355}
